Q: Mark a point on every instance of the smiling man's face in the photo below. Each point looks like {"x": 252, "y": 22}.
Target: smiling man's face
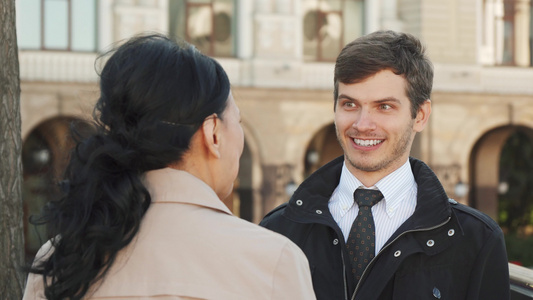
{"x": 374, "y": 125}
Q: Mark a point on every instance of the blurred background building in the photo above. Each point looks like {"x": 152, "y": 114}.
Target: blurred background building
{"x": 279, "y": 55}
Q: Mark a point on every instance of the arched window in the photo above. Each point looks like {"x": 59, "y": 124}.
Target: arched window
{"x": 68, "y": 25}
{"x": 45, "y": 153}
{"x": 328, "y": 25}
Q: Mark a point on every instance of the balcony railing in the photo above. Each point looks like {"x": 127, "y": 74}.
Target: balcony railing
{"x": 521, "y": 282}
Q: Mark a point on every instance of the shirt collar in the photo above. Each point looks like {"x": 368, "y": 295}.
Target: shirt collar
{"x": 395, "y": 187}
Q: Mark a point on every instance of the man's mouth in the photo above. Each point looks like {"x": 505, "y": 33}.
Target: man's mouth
{"x": 367, "y": 143}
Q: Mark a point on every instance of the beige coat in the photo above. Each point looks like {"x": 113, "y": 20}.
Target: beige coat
{"x": 190, "y": 246}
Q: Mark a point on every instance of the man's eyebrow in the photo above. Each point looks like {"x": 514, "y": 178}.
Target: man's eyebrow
{"x": 388, "y": 99}
{"x": 343, "y": 96}
{"x": 384, "y": 100}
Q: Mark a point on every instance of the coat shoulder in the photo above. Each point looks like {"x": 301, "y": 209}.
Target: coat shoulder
{"x": 466, "y": 211}
{"x": 274, "y": 215}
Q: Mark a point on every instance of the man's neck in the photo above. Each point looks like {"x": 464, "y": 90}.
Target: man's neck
{"x": 370, "y": 178}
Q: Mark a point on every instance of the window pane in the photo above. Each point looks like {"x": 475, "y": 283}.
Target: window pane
{"x": 331, "y": 5}
{"x": 222, "y": 31}
{"x": 29, "y": 30}
{"x": 199, "y": 27}
{"x": 56, "y": 24}
{"x": 310, "y": 34}
{"x": 176, "y": 18}
{"x": 508, "y": 43}
{"x": 83, "y": 25}
{"x": 328, "y": 25}
{"x": 352, "y": 16}
{"x": 330, "y": 35}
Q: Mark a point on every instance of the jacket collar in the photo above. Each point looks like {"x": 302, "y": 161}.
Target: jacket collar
{"x": 174, "y": 186}
{"x": 432, "y": 205}
{"x": 310, "y": 201}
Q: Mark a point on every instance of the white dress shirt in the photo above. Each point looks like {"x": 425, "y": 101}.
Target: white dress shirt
{"x": 399, "y": 190}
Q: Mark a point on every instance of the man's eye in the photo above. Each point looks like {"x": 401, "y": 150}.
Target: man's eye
{"x": 385, "y": 106}
{"x": 349, "y": 104}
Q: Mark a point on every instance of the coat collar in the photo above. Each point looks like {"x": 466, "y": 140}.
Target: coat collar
{"x": 310, "y": 201}
{"x": 432, "y": 205}
{"x": 174, "y": 186}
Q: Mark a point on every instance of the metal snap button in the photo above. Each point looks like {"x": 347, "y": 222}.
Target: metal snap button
{"x": 318, "y": 211}
{"x": 299, "y": 202}
{"x": 451, "y": 232}
{"x": 335, "y": 242}
{"x": 397, "y": 253}
{"x": 430, "y": 243}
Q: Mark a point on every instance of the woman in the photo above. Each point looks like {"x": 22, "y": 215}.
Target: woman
{"x": 142, "y": 215}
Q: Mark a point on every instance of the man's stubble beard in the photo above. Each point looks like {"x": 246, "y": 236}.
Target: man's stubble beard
{"x": 400, "y": 148}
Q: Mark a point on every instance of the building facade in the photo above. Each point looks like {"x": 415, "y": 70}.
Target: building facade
{"x": 279, "y": 55}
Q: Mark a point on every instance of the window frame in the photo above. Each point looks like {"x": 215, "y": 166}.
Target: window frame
{"x": 321, "y": 17}
{"x": 495, "y": 44}
{"x": 212, "y": 50}
{"x": 70, "y": 26}
{"x": 188, "y": 6}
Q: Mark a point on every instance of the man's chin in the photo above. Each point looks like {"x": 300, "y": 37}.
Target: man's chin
{"x": 365, "y": 166}
{"x": 367, "y": 169}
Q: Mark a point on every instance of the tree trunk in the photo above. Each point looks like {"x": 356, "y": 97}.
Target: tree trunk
{"x": 11, "y": 228}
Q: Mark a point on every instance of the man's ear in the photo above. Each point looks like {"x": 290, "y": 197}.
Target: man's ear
{"x": 422, "y": 116}
{"x": 211, "y": 135}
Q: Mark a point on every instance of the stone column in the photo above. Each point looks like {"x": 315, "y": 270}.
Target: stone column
{"x": 274, "y": 189}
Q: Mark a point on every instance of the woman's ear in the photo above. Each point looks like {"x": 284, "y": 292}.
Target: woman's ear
{"x": 211, "y": 135}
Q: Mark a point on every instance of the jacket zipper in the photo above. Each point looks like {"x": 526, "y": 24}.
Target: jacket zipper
{"x": 344, "y": 276}
{"x": 386, "y": 246}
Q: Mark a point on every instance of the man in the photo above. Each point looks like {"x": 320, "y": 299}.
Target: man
{"x": 408, "y": 240}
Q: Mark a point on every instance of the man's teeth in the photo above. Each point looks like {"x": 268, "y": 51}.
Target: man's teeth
{"x": 367, "y": 143}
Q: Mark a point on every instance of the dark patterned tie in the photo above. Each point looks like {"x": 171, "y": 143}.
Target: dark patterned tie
{"x": 361, "y": 242}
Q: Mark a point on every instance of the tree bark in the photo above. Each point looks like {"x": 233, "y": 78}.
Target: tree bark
{"x": 11, "y": 228}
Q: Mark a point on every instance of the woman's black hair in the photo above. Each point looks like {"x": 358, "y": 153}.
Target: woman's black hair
{"x": 155, "y": 94}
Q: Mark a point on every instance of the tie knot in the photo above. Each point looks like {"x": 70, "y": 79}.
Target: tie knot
{"x": 364, "y": 197}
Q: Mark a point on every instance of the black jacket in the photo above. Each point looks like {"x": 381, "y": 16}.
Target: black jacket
{"x": 445, "y": 250}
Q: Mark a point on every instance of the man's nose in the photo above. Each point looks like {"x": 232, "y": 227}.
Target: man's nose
{"x": 365, "y": 121}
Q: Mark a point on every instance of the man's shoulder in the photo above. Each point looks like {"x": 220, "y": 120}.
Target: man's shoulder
{"x": 274, "y": 216}
{"x": 317, "y": 187}
{"x": 477, "y": 217}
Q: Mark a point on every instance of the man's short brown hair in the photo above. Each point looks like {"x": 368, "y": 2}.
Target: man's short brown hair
{"x": 401, "y": 53}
